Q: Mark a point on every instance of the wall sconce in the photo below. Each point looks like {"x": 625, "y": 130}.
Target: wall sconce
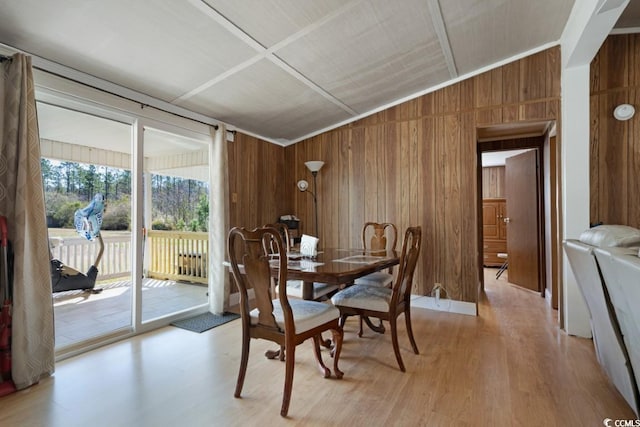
{"x": 314, "y": 166}
{"x": 624, "y": 112}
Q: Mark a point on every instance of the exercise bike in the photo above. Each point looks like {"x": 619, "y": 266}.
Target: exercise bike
{"x": 87, "y": 222}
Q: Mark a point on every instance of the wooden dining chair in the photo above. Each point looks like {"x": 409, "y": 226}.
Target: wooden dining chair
{"x": 284, "y": 233}
{"x": 294, "y": 287}
{"x": 386, "y": 303}
{"x": 378, "y": 237}
{"x": 277, "y": 319}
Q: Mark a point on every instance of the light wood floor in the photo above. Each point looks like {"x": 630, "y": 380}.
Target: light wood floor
{"x": 509, "y": 366}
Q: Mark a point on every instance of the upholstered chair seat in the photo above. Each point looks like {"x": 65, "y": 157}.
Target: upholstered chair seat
{"x": 320, "y": 290}
{"x": 364, "y": 297}
{"x": 306, "y": 314}
{"x": 379, "y": 278}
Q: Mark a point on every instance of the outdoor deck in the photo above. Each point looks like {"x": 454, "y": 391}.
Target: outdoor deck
{"x": 175, "y": 280}
{"x": 83, "y": 315}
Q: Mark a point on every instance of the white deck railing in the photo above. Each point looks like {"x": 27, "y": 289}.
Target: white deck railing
{"x": 178, "y": 255}
{"x": 80, "y": 254}
{"x": 173, "y": 255}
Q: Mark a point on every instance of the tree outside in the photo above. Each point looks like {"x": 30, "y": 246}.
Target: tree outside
{"x": 177, "y": 203}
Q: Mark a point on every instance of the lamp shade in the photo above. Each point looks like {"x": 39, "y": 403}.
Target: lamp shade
{"x": 314, "y": 165}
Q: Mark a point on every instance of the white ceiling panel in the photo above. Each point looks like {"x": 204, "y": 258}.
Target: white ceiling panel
{"x": 266, "y": 98}
{"x": 630, "y": 18}
{"x": 157, "y": 47}
{"x": 482, "y": 32}
{"x": 280, "y": 69}
{"x": 339, "y": 57}
{"x": 272, "y": 21}
{"x": 499, "y": 158}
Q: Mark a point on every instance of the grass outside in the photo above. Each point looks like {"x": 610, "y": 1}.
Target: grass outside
{"x": 67, "y": 233}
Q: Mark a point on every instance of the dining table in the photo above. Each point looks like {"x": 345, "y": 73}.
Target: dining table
{"x": 336, "y": 266}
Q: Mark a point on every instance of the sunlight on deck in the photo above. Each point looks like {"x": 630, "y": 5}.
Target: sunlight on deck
{"x": 81, "y": 315}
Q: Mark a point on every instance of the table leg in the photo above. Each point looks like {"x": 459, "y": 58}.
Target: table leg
{"x": 376, "y": 328}
{"x": 307, "y": 290}
{"x": 274, "y": 354}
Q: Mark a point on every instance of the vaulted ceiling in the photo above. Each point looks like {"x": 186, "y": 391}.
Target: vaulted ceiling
{"x": 281, "y": 70}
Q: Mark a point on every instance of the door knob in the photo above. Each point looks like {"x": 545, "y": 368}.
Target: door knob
{"x": 507, "y": 220}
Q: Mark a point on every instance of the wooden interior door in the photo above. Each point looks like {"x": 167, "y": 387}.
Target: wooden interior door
{"x": 523, "y": 245}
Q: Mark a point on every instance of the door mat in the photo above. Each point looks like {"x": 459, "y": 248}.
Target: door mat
{"x": 204, "y": 322}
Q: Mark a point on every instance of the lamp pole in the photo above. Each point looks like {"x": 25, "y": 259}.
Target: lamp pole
{"x": 315, "y": 201}
{"x": 314, "y": 166}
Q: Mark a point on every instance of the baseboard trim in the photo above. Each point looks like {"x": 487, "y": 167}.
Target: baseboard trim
{"x": 451, "y": 306}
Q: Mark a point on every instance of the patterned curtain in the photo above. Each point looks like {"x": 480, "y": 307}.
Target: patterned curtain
{"x": 22, "y": 202}
{"x": 218, "y": 220}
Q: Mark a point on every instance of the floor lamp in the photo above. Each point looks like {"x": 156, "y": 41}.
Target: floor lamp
{"x": 314, "y": 166}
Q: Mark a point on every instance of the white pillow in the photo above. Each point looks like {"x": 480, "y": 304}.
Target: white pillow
{"x": 606, "y": 236}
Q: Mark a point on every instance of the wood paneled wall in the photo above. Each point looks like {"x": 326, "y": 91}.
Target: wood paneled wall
{"x": 416, "y": 164}
{"x": 493, "y": 182}
{"x": 256, "y": 175}
{"x": 615, "y": 145}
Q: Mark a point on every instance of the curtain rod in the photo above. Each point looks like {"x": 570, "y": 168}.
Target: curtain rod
{"x": 142, "y": 105}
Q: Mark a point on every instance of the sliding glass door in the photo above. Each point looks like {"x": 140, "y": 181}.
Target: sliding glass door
{"x": 175, "y": 195}
{"x": 128, "y": 197}
{"x": 86, "y": 166}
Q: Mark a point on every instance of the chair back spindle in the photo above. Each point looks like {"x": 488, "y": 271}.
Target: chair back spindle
{"x": 375, "y": 238}
{"x": 408, "y": 261}
{"x": 257, "y": 250}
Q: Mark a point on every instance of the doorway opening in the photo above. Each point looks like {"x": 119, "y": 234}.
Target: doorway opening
{"x": 527, "y": 249}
